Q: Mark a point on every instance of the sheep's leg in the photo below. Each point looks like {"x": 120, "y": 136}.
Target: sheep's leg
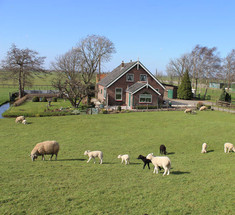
{"x": 94, "y": 159}
{"x": 148, "y": 166}
{"x": 168, "y": 172}
{"x": 144, "y": 165}
{"x": 165, "y": 170}
{"x": 101, "y": 161}
{"x": 43, "y": 158}
{"x": 51, "y": 156}
{"x": 89, "y": 160}
{"x": 55, "y": 156}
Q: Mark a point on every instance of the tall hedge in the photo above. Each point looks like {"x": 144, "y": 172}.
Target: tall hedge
{"x": 185, "y": 88}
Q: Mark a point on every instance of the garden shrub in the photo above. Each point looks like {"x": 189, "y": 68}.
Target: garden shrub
{"x": 105, "y": 111}
{"x": 119, "y": 108}
{"x": 44, "y": 99}
{"x": 54, "y": 99}
{"x": 185, "y": 89}
{"x": 76, "y": 112}
{"x": 35, "y": 99}
{"x": 146, "y": 107}
{"x": 208, "y": 107}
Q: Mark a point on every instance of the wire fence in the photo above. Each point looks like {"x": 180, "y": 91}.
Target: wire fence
{"x": 34, "y": 87}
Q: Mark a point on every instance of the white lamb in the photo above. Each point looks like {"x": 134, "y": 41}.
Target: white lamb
{"x": 125, "y": 158}
{"x": 204, "y": 146}
{"x": 160, "y": 161}
{"x": 24, "y": 122}
{"x": 93, "y": 154}
{"x": 228, "y": 147}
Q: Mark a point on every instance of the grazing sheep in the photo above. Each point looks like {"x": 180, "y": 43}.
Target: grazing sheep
{"x": 125, "y": 158}
{"x": 228, "y": 147}
{"x": 188, "y": 110}
{"x": 204, "y": 146}
{"x": 163, "y": 149}
{"x": 146, "y": 161}
{"x": 160, "y": 162}
{"x": 202, "y": 108}
{"x": 93, "y": 154}
{"x": 19, "y": 119}
{"x": 24, "y": 122}
{"x": 45, "y": 148}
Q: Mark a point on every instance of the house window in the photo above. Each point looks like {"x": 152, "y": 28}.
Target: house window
{"x": 145, "y": 98}
{"x": 118, "y": 94}
{"x": 143, "y": 77}
{"x": 130, "y": 77}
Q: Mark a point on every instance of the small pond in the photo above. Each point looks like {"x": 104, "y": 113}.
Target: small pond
{"x": 3, "y": 108}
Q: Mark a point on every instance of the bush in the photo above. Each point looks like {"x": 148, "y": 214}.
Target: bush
{"x": 199, "y": 104}
{"x": 54, "y": 99}
{"x": 105, "y": 111}
{"x": 35, "y": 99}
{"x": 208, "y": 107}
{"x": 185, "y": 89}
{"x": 44, "y": 99}
{"x": 146, "y": 107}
{"x": 76, "y": 112}
{"x": 119, "y": 108}
{"x": 225, "y": 97}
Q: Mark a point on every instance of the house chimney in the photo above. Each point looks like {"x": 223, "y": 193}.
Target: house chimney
{"x": 122, "y": 63}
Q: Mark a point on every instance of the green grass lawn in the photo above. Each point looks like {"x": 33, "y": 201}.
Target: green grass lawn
{"x": 4, "y": 94}
{"x": 198, "y": 183}
{"x": 30, "y": 108}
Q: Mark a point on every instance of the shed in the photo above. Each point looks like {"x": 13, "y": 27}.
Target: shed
{"x": 171, "y": 91}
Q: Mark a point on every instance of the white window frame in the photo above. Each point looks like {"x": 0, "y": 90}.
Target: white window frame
{"x": 145, "y": 96}
{"x": 143, "y": 75}
{"x": 129, "y": 74}
{"x": 118, "y": 94}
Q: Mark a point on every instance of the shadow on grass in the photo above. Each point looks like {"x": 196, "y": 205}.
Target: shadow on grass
{"x": 75, "y": 159}
{"x": 170, "y": 153}
{"x": 179, "y": 172}
{"x": 210, "y": 151}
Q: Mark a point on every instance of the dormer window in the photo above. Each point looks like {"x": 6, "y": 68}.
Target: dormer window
{"x": 130, "y": 77}
{"x": 143, "y": 77}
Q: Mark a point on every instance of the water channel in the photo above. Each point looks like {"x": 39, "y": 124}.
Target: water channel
{"x": 3, "y": 108}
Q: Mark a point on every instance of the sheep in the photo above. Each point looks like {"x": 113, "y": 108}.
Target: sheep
{"x": 163, "y": 149}
{"x": 188, "y": 110}
{"x": 19, "y": 119}
{"x": 146, "y": 161}
{"x": 45, "y": 148}
{"x": 24, "y": 122}
{"x": 228, "y": 147}
{"x": 160, "y": 162}
{"x": 204, "y": 146}
{"x": 125, "y": 158}
{"x": 202, "y": 108}
{"x": 93, "y": 154}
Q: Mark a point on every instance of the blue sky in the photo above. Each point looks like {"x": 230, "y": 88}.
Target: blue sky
{"x": 153, "y": 30}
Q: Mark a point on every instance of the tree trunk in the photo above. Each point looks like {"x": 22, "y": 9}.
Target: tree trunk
{"x": 20, "y": 84}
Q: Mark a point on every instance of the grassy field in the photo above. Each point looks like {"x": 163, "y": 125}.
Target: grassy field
{"x": 4, "y": 94}
{"x": 198, "y": 183}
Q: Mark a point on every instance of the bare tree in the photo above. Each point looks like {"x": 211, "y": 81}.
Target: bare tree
{"x": 178, "y": 66}
{"x": 21, "y": 64}
{"x": 229, "y": 67}
{"x": 77, "y": 67}
{"x": 205, "y": 63}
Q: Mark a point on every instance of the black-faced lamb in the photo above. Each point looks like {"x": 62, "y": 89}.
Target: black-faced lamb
{"x": 145, "y": 160}
{"x": 160, "y": 161}
{"x": 45, "y": 148}
{"x": 228, "y": 147}
{"x": 19, "y": 119}
{"x": 94, "y": 154}
{"x": 163, "y": 149}
{"x": 204, "y": 147}
{"x": 125, "y": 158}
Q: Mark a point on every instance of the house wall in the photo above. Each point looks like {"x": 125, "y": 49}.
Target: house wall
{"x": 100, "y": 94}
{"x": 155, "y": 97}
{"x": 122, "y": 83}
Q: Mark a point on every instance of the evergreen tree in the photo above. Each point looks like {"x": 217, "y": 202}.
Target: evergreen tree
{"x": 185, "y": 88}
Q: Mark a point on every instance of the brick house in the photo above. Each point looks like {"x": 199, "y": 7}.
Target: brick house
{"x": 130, "y": 84}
